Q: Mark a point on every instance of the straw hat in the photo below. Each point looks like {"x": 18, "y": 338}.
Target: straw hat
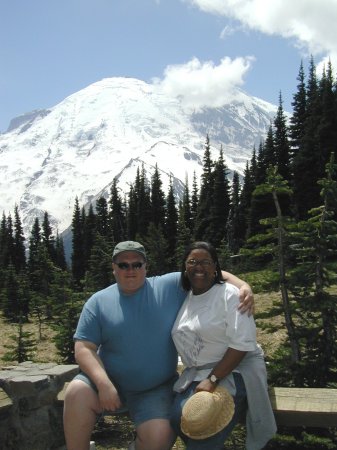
{"x": 206, "y": 413}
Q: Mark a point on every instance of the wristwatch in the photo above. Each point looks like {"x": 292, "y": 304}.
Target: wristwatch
{"x": 213, "y": 379}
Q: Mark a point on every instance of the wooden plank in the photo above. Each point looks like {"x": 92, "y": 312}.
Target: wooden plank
{"x": 311, "y": 407}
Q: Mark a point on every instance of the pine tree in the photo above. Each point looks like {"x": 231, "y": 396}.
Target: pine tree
{"x": 233, "y": 223}
{"x": 102, "y": 217}
{"x": 131, "y": 215}
{"x": 157, "y": 200}
{"x": 219, "y": 209}
{"x": 99, "y": 273}
{"x": 316, "y": 313}
{"x": 77, "y": 257}
{"x": 186, "y": 206}
{"x": 306, "y": 161}
{"x": 275, "y": 186}
{"x": 206, "y": 190}
{"x": 60, "y": 260}
{"x": 245, "y": 204}
{"x": 48, "y": 238}
{"x": 156, "y": 249}
{"x": 143, "y": 203}
{"x": 19, "y": 257}
{"x": 184, "y": 238}
{"x": 88, "y": 233}
{"x": 194, "y": 202}
{"x": 298, "y": 117}
{"x": 65, "y": 326}
{"x": 171, "y": 226}
{"x": 23, "y": 347}
{"x": 15, "y": 296}
{"x": 117, "y": 215}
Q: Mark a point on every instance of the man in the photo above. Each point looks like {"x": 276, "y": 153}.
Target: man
{"x": 125, "y": 352}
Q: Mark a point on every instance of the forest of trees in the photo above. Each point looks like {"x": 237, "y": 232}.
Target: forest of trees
{"x": 281, "y": 213}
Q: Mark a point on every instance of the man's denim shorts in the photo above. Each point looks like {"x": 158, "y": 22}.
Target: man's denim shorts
{"x": 154, "y": 403}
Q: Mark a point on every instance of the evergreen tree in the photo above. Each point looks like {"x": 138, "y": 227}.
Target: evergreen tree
{"x": 194, "y": 202}
{"x": 327, "y": 126}
{"x": 262, "y": 206}
{"x": 102, "y": 217}
{"x": 14, "y": 297}
{"x": 156, "y": 249}
{"x": 3, "y": 244}
{"x": 306, "y": 164}
{"x": 206, "y": 191}
{"x": 245, "y": 205}
{"x": 298, "y": 117}
{"x": 48, "y": 238}
{"x": 19, "y": 257}
{"x": 143, "y": 203}
{"x": 157, "y": 200}
{"x": 233, "y": 223}
{"x": 282, "y": 152}
{"x": 316, "y": 316}
{"x": 60, "y": 260}
{"x": 171, "y": 226}
{"x": 184, "y": 238}
{"x": 88, "y": 233}
{"x": 219, "y": 209}
{"x": 186, "y": 206}
{"x": 281, "y": 142}
{"x": 65, "y": 326}
{"x": 131, "y": 215}
{"x": 35, "y": 244}
{"x": 77, "y": 257}
{"x": 117, "y": 215}
{"x": 99, "y": 273}
{"x": 23, "y": 347}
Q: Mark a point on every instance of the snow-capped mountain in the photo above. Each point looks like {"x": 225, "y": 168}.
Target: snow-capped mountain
{"x": 107, "y": 131}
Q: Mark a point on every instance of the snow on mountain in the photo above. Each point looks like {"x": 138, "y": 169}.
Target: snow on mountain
{"x": 107, "y": 131}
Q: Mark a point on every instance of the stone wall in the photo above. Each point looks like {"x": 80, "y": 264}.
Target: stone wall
{"x": 30, "y": 412}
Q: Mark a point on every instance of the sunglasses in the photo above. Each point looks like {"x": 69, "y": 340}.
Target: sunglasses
{"x": 202, "y": 262}
{"x": 126, "y": 266}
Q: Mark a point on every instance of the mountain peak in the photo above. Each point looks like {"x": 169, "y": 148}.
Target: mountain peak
{"x": 108, "y": 130}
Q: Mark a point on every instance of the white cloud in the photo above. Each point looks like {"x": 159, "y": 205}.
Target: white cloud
{"x": 201, "y": 84}
{"x": 311, "y": 23}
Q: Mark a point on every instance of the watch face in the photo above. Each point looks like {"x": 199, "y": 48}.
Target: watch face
{"x": 213, "y": 379}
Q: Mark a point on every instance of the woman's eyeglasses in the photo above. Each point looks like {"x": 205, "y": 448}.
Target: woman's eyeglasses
{"x": 126, "y": 266}
{"x": 202, "y": 262}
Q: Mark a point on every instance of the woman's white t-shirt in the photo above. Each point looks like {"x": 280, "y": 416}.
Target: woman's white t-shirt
{"x": 209, "y": 323}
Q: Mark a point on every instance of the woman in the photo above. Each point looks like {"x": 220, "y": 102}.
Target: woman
{"x": 217, "y": 345}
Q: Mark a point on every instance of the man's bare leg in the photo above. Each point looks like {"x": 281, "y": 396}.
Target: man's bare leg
{"x": 81, "y": 407}
{"x": 155, "y": 434}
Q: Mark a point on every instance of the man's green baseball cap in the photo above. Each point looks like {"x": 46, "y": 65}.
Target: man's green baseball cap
{"x": 128, "y": 246}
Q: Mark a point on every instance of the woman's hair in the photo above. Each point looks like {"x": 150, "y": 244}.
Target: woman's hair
{"x": 200, "y": 245}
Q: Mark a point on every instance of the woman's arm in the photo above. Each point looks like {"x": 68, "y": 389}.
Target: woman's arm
{"x": 225, "y": 366}
{"x": 246, "y": 293}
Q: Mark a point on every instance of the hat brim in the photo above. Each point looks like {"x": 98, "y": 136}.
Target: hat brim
{"x": 222, "y": 420}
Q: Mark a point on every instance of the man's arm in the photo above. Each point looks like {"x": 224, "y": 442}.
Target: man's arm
{"x": 246, "y": 293}
{"x": 90, "y": 363}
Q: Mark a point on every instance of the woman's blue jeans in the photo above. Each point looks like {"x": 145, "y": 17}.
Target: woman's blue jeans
{"x": 215, "y": 442}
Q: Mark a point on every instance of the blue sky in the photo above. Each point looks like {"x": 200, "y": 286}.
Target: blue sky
{"x": 198, "y": 49}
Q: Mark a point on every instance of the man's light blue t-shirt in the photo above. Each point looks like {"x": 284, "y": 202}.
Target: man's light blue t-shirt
{"x": 133, "y": 332}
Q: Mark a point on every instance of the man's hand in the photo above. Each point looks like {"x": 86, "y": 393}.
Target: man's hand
{"x": 246, "y": 299}
{"x": 108, "y": 397}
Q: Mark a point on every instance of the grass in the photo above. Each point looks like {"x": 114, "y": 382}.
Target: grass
{"x": 114, "y": 433}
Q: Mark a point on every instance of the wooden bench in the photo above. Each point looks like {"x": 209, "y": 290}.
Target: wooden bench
{"x": 296, "y": 407}
{"x": 307, "y": 407}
